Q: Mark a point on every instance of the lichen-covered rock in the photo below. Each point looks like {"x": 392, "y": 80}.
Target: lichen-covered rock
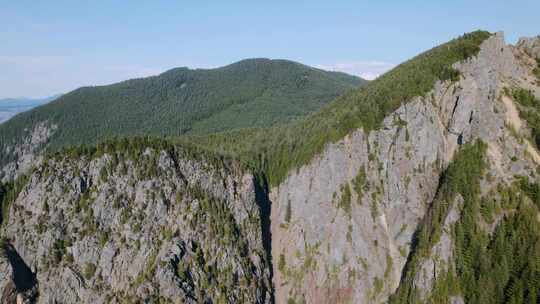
{"x": 158, "y": 225}
{"x": 20, "y": 158}
{"x": 530, "y": 45}
{"x": 166, "y": 228}
{"x": 342, "y": 226}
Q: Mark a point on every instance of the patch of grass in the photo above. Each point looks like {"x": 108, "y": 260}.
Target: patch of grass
{"x": 345, "y": 200}
{"x": 525, "y": 98}
{"x": 389, "y": 266}
{"x": 360, "y": 184}
{"x": 89, "y": 270}
{"x": 529, "y": 110}
{"x": 536, "y": 70}
{"x": 378, "y": 286}
{"x": 282, "y": 263}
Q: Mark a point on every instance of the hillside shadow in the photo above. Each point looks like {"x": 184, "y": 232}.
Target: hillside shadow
{"x": 23, "y": 277}
{"x": 265, "y": 207}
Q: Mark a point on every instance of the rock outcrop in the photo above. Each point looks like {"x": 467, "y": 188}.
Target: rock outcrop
{"x": 164, "y": 227}
{"x": 26, "y": 154}
{"x": 157, "y": 224}
{"x": 342, "y": 226}
{"x": 530, "y": 45}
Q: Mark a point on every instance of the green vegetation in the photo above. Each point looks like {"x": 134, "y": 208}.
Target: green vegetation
{"x": 532, "y": 190}
{"x": 282, "y": 263}
{"x": 89, "y": 270}
{"x": 58, "y": 251}
{"x": 220, "y": 233}
{"x": 536, "y": 70}
{"x": 282, "y": 148}
{"x": 373, "y": 206}
{"x": 8, "y": 194}
{"x": 503, "y": 267}
{"x": 360, "y": 184}
{"x": 149, "y": 269}
{"x": 288, "y": 212}
{"x": 525, "y": 98}
{"x": 378, "y": 286}
{"x": 160, "y": 106}
{"x": 389, "y": 266}
{"x": 461, "y": 177}
{"x": 529, "y": 110}
{"x": 305, "y": 263}
{"x": 345, "y": 200}
{"x": 249, "y": 93}
{"x": 133, "y": 148}
{"x": 499, "y": 268}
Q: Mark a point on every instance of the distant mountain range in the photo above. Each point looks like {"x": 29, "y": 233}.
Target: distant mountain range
{"x": 11, "y": 106}
{"x": 254, "y": 183}
{"x": 250, "y": 93}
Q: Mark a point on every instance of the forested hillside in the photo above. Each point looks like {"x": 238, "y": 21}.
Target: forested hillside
{"x": 249, "y": 93}
{"x": 278, "y": 150}
{"x": 421, "y": 186}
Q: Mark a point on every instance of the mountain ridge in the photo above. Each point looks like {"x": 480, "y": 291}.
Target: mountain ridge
{"x": 392, "y": 208}
{"x": 266, "y": 92}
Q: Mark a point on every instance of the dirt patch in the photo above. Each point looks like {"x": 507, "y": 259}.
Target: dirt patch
{"x": 512, "y": 113}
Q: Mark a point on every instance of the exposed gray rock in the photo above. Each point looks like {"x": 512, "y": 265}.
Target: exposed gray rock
{"x": 162, "y": 226}
{"x": 440, "y": 260}
{"x": 530, "y": 45}
{"x": 327, "y": 253}
{"x": 25, "y": 155}
{"x": 109, "y": 229}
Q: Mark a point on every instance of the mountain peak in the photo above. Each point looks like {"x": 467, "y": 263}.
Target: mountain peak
{"x": 421, "y": 186}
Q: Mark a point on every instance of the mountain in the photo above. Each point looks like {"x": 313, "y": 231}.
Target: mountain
{"x": 11, "y": 106}
{"x": 249, "y": 93}
{"x": 419, "y": 187}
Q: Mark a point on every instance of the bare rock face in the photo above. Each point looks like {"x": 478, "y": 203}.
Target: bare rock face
{"x": 530, "y": 45}
{"x": 163, "y": 228}
{"x": 17, "y": 281}
{"x": 342, "y": 226}
{"x": 157, "y": 226}
{"x": 25, "y": 155}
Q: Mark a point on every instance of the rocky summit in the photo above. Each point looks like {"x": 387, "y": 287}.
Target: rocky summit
{"x": 419, "y": 187}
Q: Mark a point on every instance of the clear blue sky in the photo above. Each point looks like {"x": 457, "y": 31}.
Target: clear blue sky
{"x": 49, "y": 47}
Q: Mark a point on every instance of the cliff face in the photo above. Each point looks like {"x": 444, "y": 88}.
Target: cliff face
{"x": 161, "y": 228}
{"x": 160, "y": 225}
{"x": 342, "y": 227}
{"x": 26, "y": 154}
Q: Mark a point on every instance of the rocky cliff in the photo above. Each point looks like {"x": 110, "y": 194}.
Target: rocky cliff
{"x": 147, "y": 224}
{"x": 399, "y": 214}
{"x": 343, "y": 226}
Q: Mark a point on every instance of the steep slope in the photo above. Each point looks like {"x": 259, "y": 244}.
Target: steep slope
{"x": 288, "y": 147}
{"x": 136, "y": 221}
{"x": 421, "y": 187}
{"x": 327, "y": 247}
{"x": 249, "y": 93}
{"x": 377, "y": 211}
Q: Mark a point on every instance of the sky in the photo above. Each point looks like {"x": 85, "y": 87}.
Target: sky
{"x": 51, "y": 47}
